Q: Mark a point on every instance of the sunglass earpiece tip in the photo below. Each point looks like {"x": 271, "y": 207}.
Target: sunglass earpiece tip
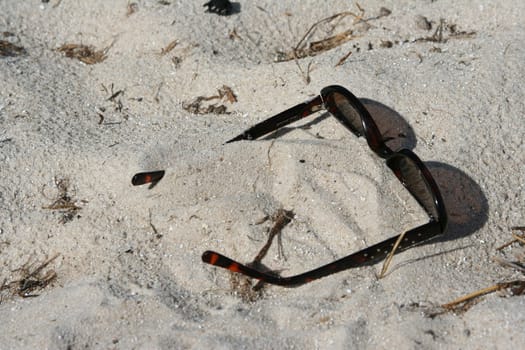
{"x": 238, "y": 138}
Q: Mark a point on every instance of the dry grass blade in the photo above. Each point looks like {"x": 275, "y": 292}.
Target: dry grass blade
{"x": 470, "y": 296}
{"x": 84, "y": 53}
{"x": 520, "y": 239}
{"x": 325, "y": 20}
{"x": 463, "y": 303}
{"x": 442, "y": 28}
{"x": 343, "y": 59}
{"x": 30, "y": 281}
{"x": 169, "y": 47}
{"x": 305, "y": 75}
{"x": 517, "y": 238}
{"x": 196, "y": 105}
{"x": 390, "y": 256}
{"x": 302, "y": 50}
{"x": 281, "y": 218}
{"x": 63, "y": 201}
{"x": 507, "y": 263}
{"x": 330, "y": 42}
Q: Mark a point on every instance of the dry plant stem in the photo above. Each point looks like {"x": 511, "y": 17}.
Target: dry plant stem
{"x": 479, "y": 293}
{"x": 517, "y": 238}
{"x": 64, "y": 202}
{"x": 330, "y": 42}
{"x": 28, "y": 285}
{"x": 153, "y": 226}
{"x": 31, "y": 280}
{"x": 505, "y": 262}
{"x": 319, "y": 46}
{"x": 506, "y": 245}
{"x": 328, "y": 19}
{"x": 300, "y": 50}
{"x": 43, "y": 265}
{"x": 473, "y": 295}
{"x": 390, "y": 256}
{"x": 306, "y": 76}
{"x": 169, "y": 47}
{"x": 157, "y": 92}
{"x": 115, "y": 95}
{"x": 84, "y": 53}
{"x": 322, "y": 45}
{"x": 438, "y": 36}
{"x": 343, "y": 59}
{"x": 281, "y": 219}
{"x": 224, "y": 93}
{"x": 62, "y": 206}
{"x": 8, "y": 49}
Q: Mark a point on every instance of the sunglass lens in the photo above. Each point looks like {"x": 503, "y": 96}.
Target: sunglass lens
{"x": 412, "y": 176}
{"x": 346, "y": 113}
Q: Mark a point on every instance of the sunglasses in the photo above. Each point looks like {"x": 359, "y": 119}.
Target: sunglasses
{"x": 407, "y": 167}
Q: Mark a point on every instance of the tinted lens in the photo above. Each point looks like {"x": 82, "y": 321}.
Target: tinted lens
{"x": 412, "y": 176}
{"x": 346, "y": 113}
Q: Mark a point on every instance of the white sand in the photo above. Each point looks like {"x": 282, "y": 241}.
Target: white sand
{"x": 129, "y": 271}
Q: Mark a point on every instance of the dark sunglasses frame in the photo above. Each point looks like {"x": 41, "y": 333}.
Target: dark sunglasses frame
{"x": 395, "y": 160}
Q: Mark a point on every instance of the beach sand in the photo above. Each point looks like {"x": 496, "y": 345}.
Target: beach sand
{"x": 127, "y": 270}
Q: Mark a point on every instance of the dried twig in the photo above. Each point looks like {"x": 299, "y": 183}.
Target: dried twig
{"x": 388, "y": 260}
{"x": 439, "y": 33}
{"x": 169, "y": 47}
{"x": 84, "y": 53}
{"x": 305, "y": 75}
{"x": 63, "y": 201}
{"x": 520, "y": 239}
{"x": 343, "y": 59}
{"x": 241, "y": 284}
{"x": 8, "y": 49}
{"x": 301, "y": 50}
{"x": 31, "y": 279}
{"x": 516, "y": 288}
{"x": 224, "y": 93}
{"x": 507, "y": 263}
{"x": 517, "y": 238}
{"x": 281, "y": 218}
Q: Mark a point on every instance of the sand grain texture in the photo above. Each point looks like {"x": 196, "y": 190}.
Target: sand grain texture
{"x": 129, "y": 274}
